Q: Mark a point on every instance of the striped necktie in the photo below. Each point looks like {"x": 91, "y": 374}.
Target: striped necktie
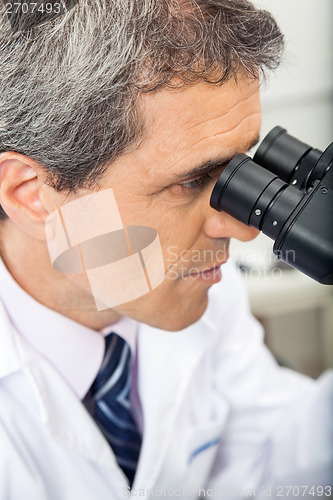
{"x": 111, "y": 406}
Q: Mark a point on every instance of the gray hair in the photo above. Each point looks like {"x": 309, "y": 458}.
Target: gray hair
{"x": 69, "y": 87}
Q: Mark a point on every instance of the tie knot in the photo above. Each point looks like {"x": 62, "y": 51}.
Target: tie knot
{"x": 114, "y": 373}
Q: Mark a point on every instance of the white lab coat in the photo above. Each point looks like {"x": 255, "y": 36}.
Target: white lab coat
{"x": 221, "y": 419}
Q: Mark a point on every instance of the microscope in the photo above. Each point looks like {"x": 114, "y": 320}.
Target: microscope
{"x": 285, "y": 191}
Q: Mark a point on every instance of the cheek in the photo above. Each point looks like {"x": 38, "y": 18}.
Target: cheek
{"x": 181, "y": 237}
{"x": 139, "y": 210}
{"x": 177, "y": 220}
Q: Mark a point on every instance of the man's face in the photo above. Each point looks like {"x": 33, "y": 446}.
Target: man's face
{"x": 153, "y": 186}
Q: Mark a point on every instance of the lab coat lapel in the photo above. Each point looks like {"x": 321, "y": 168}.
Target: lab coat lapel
{"x": 166, "y": 362}
{"x": 10, "y": 361}
{"x": 60, "y": 411}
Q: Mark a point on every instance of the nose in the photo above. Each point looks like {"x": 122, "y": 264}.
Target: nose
{"x": 223, "y": 225}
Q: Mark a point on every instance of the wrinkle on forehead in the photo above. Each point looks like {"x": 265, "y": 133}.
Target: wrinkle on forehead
{"x": 225, "y": 133}
{"x": 178, "y": 121}
{"x": 224, "y": 115}
{"x": 172, "y": 110}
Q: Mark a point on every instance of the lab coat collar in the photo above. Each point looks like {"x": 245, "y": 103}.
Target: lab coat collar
{"x": 65, "y": 343}
{"x": 68, "y": 428}
{"x": 10, "y": 361}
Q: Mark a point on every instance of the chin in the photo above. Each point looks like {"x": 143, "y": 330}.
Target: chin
{"x": 182, "y": 316}
{"x": 172, "y": 312}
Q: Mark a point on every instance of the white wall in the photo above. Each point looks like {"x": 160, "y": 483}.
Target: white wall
{"x": 299, "y": 97}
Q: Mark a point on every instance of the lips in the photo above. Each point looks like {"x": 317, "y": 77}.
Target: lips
{"x": 211, "y": 270}
{"x": 207, "y": 271}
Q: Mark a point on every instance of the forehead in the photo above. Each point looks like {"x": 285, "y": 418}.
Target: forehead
{"x": 203, "y": 121}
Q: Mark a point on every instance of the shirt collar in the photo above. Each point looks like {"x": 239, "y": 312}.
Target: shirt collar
{"x": 74, "y": 350}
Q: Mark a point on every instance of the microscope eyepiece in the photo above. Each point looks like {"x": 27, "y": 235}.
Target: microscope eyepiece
{"x": 292, "y": 160}
{"x": 286, "y": 192}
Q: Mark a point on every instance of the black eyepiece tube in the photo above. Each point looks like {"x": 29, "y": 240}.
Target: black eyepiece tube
{"x": 254, "y": 195}
{"x": 282, "y": 154}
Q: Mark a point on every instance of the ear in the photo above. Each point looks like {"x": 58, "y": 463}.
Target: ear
{"x": 20, "y": 186}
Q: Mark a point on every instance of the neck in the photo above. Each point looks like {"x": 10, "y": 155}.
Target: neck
{"x": 28, "y": 262}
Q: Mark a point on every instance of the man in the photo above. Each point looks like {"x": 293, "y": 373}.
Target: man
{"x": 147, "y": 101}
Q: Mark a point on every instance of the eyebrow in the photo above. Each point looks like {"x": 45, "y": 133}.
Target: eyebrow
{"x": 210, "y": 166}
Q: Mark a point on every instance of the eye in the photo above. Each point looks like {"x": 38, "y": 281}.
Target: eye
{"x": 195, "y": 185}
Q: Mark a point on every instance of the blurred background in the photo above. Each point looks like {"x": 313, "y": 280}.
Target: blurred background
{"x": 297, "y": 312}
